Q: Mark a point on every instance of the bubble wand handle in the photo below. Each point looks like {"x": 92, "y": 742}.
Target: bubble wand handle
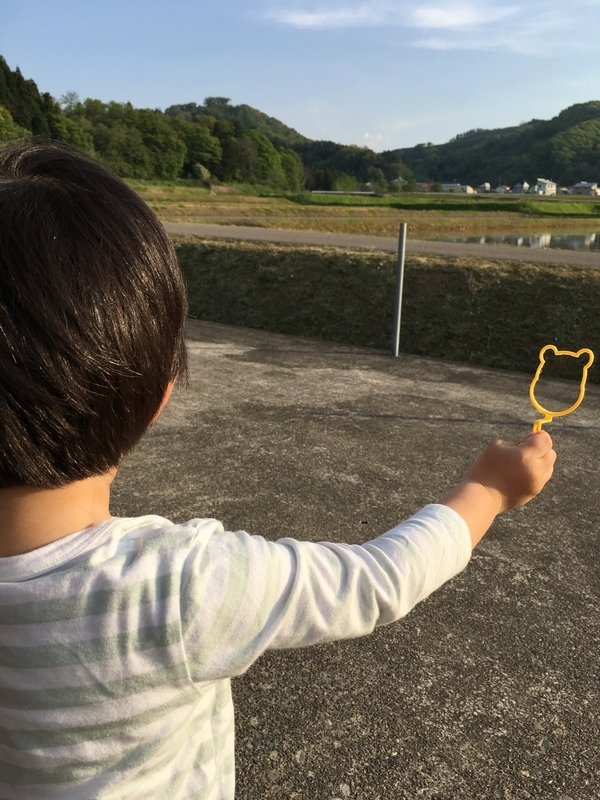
{"x": 549, "y": 415}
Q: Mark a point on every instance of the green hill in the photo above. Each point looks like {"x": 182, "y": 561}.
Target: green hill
{"x": 242, "y": 144}
{"x": 565, "y": 149}
{"x": 246, "y": 116}
{"x": 327, "y": 165}
{"x": 147, "y": 144}
{"x": 337, "y": 166}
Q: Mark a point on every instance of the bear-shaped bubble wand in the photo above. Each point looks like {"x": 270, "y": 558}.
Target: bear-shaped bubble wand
{"x": 549, "y": 415}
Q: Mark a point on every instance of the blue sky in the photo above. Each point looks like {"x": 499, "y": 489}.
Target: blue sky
{"x": 385, "y": 73}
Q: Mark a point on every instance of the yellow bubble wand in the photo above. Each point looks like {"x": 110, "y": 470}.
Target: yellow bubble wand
{"x": 549, "y": 415}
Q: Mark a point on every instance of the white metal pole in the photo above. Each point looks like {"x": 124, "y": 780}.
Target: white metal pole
{"x": 399, "y": 288}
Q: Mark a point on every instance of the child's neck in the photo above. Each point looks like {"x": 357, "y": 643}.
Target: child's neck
{"x": 31, "y": 518}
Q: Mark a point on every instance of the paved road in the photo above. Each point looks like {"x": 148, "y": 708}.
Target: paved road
{"x": 488, "y": 689}
{"x": 388, "y": 244}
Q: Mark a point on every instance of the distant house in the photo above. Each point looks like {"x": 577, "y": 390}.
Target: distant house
{"x": 467, "y": 189}
{"x": 520, "y": 188}
{"x": 451, "y": 187}
{"x": 484, "y": 187}
{"x": 542, "y": 240}
{"x": 502, "y": 189}
{"x": 586, "y": 188}
{"x": 544, "y": 187}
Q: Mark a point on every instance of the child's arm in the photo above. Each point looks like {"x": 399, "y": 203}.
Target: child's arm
{"x": 504, "y": 476}
{"x": 242, "y": 595}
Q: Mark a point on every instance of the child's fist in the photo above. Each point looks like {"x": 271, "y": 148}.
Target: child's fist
{"x": 515, "y": 472}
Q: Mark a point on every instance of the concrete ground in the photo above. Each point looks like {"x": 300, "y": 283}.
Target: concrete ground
{"x": 493, "y": 252}
{"x": 489, "y": 688}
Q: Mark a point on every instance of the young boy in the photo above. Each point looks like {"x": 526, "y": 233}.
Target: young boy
{"x": 118, "y": 637}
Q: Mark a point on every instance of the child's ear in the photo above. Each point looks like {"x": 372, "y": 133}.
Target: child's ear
{"x": 163, "y": 402}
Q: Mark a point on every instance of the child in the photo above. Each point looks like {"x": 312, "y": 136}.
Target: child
{"x": 118, "y": 637}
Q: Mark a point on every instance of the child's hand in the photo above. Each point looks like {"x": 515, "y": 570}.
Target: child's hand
{"x": 516, "y": 472}
{"x": 504, "y": 476}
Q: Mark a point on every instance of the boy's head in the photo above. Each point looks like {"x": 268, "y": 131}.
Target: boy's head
{"x": 92, "y": 309}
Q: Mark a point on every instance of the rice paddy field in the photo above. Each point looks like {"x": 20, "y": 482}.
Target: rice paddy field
{"x": 427, "y": 215}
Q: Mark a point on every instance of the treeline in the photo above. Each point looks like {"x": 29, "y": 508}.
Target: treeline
{"x": 149, "y": 144}
{"x": 146, "y": 143}
{"x": 327, "y": 165}
{"x": 218, "y": 141}
{"x": 246, "y": 116}
{"x": 211, "y": 142}
{"x": 565, "y": 149}
{"x": 332, "y": 166}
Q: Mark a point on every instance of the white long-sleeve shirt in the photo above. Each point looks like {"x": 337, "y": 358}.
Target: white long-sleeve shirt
{"x": 117, "y": 643}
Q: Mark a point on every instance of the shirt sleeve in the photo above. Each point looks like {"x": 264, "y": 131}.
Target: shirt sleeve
{"x": 242, "y": 595}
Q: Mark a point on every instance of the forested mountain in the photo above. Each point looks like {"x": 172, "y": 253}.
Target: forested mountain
{"x": 327, "y": 165}
{"x": 246, "y": 116}
{"x": 218, "y": 141}
{"x": 565, "y": 149}
{"x": 146, "y": 143}
{"x": 204, "y": 142}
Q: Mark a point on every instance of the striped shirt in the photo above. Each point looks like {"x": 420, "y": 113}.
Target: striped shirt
{"x": 117, "y": 643}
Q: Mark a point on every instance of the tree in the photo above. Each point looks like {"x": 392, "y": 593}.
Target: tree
{"x": 116, "y": 138}
{"x": 9, "y": 130}
{"x": 268, "y": 169}
{"x": 293, "y": 168}
{"x": 376, "y": 179}
{"x": 216, "y": 101}
{"x": 71, "y": 132}
{"x": 320, "y": 179}
{"x": 28, "y": 108}
{"x": 167, "y": 151}
{"x": 346, "y": 183}
{"x": 201, "y": 147}
{"x": 69, "y": 102}
{"x": 200, "y": 173}
{"x": 122, "y": 149}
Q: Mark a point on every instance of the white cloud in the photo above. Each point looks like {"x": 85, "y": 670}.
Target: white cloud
{"x": 373, "y": 140}
{"x": 459, "y": 15}
{"x": 344, "y": 17}
{"x": 543, "y": 33}
{"x": 540, "y": 27}
{"x": 335, "y": 14}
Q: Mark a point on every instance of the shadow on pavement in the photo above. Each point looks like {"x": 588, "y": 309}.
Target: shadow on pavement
{"x": 488, "y": 689}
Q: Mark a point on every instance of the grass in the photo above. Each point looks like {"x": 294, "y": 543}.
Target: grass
{"x": 496, "y": 314}
{"x": 539, "y": 206}
{"x": 177, "y": 201}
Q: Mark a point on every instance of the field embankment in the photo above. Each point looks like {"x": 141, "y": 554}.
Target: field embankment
{"x": 530, "y": 205}
{"x": 496, "y": 314}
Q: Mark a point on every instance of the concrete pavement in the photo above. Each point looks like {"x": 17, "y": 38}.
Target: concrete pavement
{"x": 488, "y": 689}
{"x": 388, "y": 244}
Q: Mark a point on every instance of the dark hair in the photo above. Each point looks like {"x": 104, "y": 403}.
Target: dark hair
{"x": 92, "y": 310}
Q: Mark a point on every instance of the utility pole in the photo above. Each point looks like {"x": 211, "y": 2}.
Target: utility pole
{"x": 399, "y": 289}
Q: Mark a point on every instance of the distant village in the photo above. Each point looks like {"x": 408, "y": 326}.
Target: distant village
{"x": 541, "y": 187}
